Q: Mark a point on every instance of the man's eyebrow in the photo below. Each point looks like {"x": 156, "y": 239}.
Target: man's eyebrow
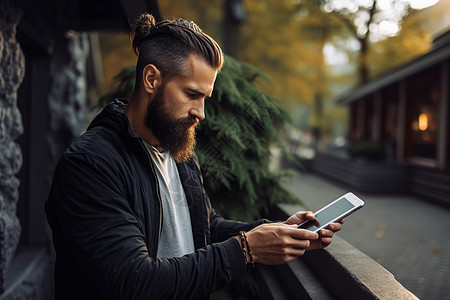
{"x": 197, "y": 92}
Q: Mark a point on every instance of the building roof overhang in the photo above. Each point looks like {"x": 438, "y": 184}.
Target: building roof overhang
{"x": 440, "y": 52}
{"x": 44, "y": 20}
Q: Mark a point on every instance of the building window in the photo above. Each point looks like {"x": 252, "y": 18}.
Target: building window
{"x": 425, "y": 119}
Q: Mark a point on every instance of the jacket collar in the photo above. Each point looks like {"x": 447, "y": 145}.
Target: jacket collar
{"x": 113, "y": 116}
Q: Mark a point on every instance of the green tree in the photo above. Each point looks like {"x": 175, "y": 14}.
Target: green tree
{"x": 369, "y": 22}
{"x": 273, "y": 39}
{"x": 356, "y": 17}
{"x": 411, "y": 42}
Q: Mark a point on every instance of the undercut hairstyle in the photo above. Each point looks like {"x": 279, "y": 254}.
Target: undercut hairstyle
{"x": 168, "y": 44}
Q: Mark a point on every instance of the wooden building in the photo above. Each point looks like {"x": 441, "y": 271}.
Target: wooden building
{"x": 406, "y": 110}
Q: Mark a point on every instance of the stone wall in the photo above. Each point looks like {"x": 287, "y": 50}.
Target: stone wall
{"x": 12, "y": 66}
{"x": 27, "y": 273}
{"x": 67, "y": 99}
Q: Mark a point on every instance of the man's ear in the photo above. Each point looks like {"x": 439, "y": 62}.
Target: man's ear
{"x": 151, "y": 78}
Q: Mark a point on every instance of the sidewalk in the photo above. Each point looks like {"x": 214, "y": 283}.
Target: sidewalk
{"x": 406, "y": 235}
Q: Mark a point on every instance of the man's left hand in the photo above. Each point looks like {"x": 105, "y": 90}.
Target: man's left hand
{"x": 325, "y": 235}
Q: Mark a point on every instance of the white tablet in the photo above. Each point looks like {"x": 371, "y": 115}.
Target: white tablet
{"x": 333, "y": 212}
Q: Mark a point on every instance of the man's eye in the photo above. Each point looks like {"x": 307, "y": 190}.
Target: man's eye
{"x": 191, "y": 95}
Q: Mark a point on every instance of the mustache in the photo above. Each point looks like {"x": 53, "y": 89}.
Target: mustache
{"x": 188, "y": 121}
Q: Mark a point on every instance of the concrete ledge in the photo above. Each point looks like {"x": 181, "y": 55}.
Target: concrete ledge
{"x": 348, "y": 273}
{"x": 339, "y": 271}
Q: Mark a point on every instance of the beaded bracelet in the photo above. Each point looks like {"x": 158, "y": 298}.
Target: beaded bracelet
{"x": 245, "y": 247}
{"x": 249, "y": 251}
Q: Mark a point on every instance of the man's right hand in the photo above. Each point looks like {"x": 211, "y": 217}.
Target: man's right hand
{"x": 278, "y": 243}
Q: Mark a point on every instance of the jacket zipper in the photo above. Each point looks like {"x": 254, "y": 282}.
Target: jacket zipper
{"x": 158, "y": 195}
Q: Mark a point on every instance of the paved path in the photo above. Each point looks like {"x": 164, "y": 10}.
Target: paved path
{"x": 406, "y": 235}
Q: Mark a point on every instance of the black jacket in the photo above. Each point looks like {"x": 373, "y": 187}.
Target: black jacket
{"x": 105, "y": 213}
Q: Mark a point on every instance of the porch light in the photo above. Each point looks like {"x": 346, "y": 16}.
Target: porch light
{"x": 423, "y": 122}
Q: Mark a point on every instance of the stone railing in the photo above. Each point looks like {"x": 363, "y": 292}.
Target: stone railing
{"x": 339, "y": 271}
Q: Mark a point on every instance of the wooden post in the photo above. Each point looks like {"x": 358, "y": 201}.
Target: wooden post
{"x": 443, "y": 117}
{"x": 401, "y": 126}
{"x": 377, "y": 124}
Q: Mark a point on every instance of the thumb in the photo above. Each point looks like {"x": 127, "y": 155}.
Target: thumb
{"x": 305, "y": 215}
{"x": 300, "y": 217}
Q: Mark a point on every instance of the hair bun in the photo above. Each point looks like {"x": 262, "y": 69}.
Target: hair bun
{"x": 140, "y": 30}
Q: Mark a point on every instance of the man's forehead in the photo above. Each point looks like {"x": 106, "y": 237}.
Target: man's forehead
{"x": 200, "y": 76}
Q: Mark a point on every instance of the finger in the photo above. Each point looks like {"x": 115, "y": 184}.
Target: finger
{"x": 309, "y": 215}
{"x": 325, "y": 240}
{"x": 326, "y": 233}
{"x": 305, "y": 215}
{"x": 297, "y": 252}
{"x": 303, "y": 234}
{"x": 287, "y": 243}
{"x": 335, "y": 226}
{"x": 298, "y": 244}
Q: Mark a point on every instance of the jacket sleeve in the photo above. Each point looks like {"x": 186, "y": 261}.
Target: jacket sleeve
{"x": 222, "y": 229}
{"x": 95, "y": 228}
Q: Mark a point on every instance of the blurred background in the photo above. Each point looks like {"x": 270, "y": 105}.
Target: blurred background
{"x": 312, "y": 51}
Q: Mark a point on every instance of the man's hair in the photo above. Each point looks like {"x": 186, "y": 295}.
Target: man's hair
{"x": 167, "y": 45}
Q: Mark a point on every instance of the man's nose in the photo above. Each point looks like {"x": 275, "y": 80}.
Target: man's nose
{"x": 198, "y": 110}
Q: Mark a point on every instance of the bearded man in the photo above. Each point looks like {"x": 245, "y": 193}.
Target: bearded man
{"x": 128, "y": 212}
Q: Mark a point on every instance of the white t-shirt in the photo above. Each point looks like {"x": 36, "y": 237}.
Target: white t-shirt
{"x": 176, "y": 234}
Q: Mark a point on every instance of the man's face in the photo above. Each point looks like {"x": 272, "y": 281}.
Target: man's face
{"x": 176, "y": 108}
{"x": 176, "y": 135}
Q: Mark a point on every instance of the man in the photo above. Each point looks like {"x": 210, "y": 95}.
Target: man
{"x": 127, "y": 208}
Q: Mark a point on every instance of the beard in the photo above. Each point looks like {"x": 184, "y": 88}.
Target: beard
{"x": 175, "y": 135}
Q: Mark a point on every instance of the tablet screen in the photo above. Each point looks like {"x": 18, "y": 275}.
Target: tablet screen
{"x": 328, "y": 214}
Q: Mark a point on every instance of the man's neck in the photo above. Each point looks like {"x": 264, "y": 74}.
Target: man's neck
{"x": 136, "y": 112}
